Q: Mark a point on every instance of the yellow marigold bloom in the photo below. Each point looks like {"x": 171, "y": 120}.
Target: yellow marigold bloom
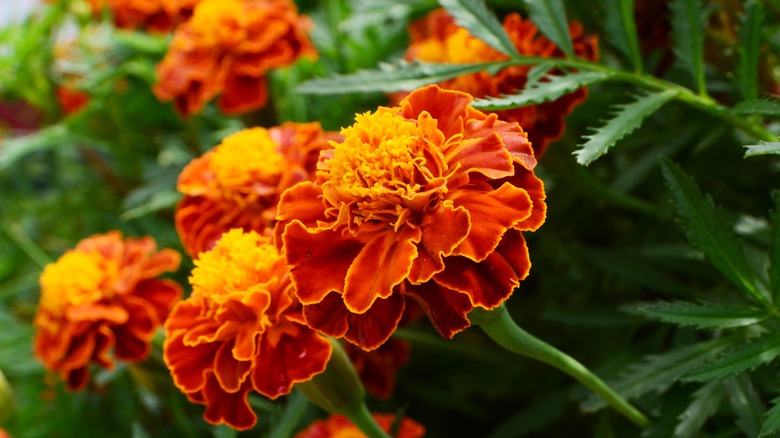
{"x": 428, "y": 201}
{"x": 240, "y": 330}
{"x": 238, "y": 183}
{"x": 226, "y": 49}
{"x": 100, "y": 296}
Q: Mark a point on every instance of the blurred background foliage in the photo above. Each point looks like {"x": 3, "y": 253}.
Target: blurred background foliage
{"x": 636, "y": 272}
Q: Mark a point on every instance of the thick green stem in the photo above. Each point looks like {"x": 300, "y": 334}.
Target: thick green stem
{"x": 500, "y": 326}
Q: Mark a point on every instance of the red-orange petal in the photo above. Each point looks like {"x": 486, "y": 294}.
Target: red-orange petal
{"x": 535, "y": 188}
{"x": 243, "y": 93}
{"x": 442, "y": 230}
{"x": 446, "y": 308}
{"x": 446, "y": 106}
{"x": 161, "y": 294}
{"x": 188, "y": 365}
{"x": 230, "y": 373}
{"x": 229, "y": 408}
{"x": 301, "y": 202}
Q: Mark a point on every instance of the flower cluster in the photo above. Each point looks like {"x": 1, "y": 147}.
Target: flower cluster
{"x": 238, "y": 183}
{"x": 427, "y": 200}
{"x": 338, "y": 426}
{"x": 153, "y": 15}
{"x": 226, "y": 49}
{"x": 100, "y": 296}
{"x": 240, "y": 330}
{"x": 437, "y": 38}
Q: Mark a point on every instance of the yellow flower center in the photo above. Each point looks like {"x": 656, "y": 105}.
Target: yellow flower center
{"x": 246, "y": 158}
{"x": 218, "y": 22}
{"x": 76, "y": 278}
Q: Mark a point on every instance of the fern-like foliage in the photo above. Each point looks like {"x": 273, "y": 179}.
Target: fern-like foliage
{"x": 540, "y": 91}
{"x": 481, "y": 23}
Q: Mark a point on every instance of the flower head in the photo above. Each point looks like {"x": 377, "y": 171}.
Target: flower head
{"x": 238, "y": 183}
{"x": 437, "y": 38}
{"x": 226, "y": 49}
{"x": 154, "y": 15}
{"x": 339, "y": 426}
{"x": 427, "y": 200}
{"x": 102, "y": 295}
{"x": 239, "y": 331}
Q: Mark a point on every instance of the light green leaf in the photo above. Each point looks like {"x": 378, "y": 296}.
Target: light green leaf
{"x": 621, "y": 29}
{"x": 705, "y": 403}
{"x": 708, "y": 230}
{"x": 702, "y": 315}
{"x": 771, "y": 424}
{"x": 769, "y": 107}
{"x": 762, "y": 148}
{"x": 688, "y": 36}
{"x": 627, "y": 118}
{"x": 550, "y": 17}
{"x": 403, "y": 76}
{"x": 658, "y": 372}
{"x": 746, "y": 403}
{"x": 746, "y": 356}
{"x": 293, "y": 413}
{"x": 537, "y": 72}
{"x": 749, "y": 48}
{"x": 481, "y": 23}
{"x": 548, "y": 90}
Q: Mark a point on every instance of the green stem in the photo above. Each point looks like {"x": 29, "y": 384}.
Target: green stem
{"x": 361, "y": 417}
{"x": 36, "y": 254}
{"x": 500, "y": 326}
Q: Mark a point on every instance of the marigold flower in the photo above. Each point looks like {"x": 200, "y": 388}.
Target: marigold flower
{"x": 339, "y": 426}
{"x": 226, "y": 48}
{"x": 238, "y": 183}
{"x": 102, "y": 295}
{"x": 436, "y": 38}
{"x": 240, "y": 330}
{"x": 427, "y": 200}
{"x": 153, "y": 15}
{"x": 70, "y": 99}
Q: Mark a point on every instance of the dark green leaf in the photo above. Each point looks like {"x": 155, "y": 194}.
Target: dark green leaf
{"x": 537, "y": 72}
{"x": 293, "y": 412}
{"x": 762, "y": 148}
{"x": 705, "y": 403}
{"x": 547, "y": 90}
{"x": 774, "y": 250}
{"x": 404, "y": 76}
{"x": 708, "y": 230}
{"x": 769, "y": 107}
{"x": 621, "y": 29}
{"x": 688, "y": 36}
{"x": 627, "y": 118}
{"x": 750, "y": 48}
{"x": 746, "y": 403}
{"x": 702, "y": 315}
{"x": 481, "y": 23}
{"x": 550, "y": 17}
{"x": 772, "y": 422}
{"x": 746, "y": 356}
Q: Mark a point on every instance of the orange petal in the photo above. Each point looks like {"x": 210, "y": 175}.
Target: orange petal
{"x": 230, "y": 373}
{"x": 446, "y": 308}
{"x": 446, "y": 106}
{"x": 161, "y": 294}
{"x": 301, "y": 202}
{"x": 492, "y": 213}
{"x": 487, "y": 156}
{"x": 97, "y": 312}
{"x": 535, "y": 189}
{"x": 243, "y": 93}
{"x": 442, "y": 230}
{"x": 165, "y": 260}
{"x": 189, "y": 366}
{"x": 383, "y": 263}
{"x": 229, "y": 408}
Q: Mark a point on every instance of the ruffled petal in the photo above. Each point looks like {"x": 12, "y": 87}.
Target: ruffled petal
{"x": 446, "y": 308}
{"x": 442, "y": 230}
{"x": 535, "y": 188}
{"x": 229, "y": 408}
{"x": 446, "y": 106}
{"x": 486, "y": 155}
{"x": 161, "y": 294}
{"x": 243, "y": 93}
{"x": 230, "y": 373}
{"x": 189, "y": 366}
{"x": 301, "y": 202}
{"x": 98, "y": 312}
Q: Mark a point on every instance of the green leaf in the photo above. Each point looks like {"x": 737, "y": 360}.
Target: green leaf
{"x": 621, "y": 29}
{"x": 627, "y": 118}
{"x": 762, "y": 148}
{"x": 550, "y": 17}
{"x": 705, "y": 403}
{"x": 774, "y": 250}
{"x": 296, "y": 408}
{"x": 537, "y": 72}
{"x": 481, "y": 23}
{"x": 547, "y": 90}
{"x": 702, "y": 315}
{"x": 658, "y": 372}
{"x": 746, "y": 403}
{"x": 749, "y": 48}
{"x": 403, "y": 76}
{"x": 772, "y": 422}
{"x": 745, "y": 356}
{"x": 688, "y": 36}
{"x": 769, "y": 107}
{"x": 708, "y": 230}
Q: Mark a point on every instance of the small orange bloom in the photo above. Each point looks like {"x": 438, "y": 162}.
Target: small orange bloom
{"x": 227, "y": 48}
{"x": 154, "y": 15}
{"x": 240, "y": 330}
{"x": 238, "y": 183}
{"x": 102, "y": 295}
{"x": 338, "y": 426}
{"x": 427, "y": 200}
{"x": 4, "y": 434}
{"x": 436, "y": 38}
{"x": 71, "y": 99}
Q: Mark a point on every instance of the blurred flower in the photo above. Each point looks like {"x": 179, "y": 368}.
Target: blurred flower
{"x": 238, "y": 183}
{"x": 377, "y": 368}
{"x": 100, "y": 296}
{"x": 338, "y": 426}
{"x": 71, "y": 99}
{"x": 436, "y": 38}
{"x": 240, "y": 330}
{"x": 154, "y": 15}
{"x": 4, "y": 434}
{"x": 427, "y": 200}
{"x": 226, "y": 48}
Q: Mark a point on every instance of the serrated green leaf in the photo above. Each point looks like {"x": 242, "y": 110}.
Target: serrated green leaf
{"x": 481, "y": 23}
{"x": 708, "y": 230}
{"x": 746, "y": 356}
{"x": 746, "y": 403}
{"x": 762, "y": 148}
{"x": 702, "y": 314}
{"x": 769, "y": 107}
{"x": 772, "y": 419}
{"x": 550, "y": 17}
{"x": 403, "y": 76}
{"x": 621, "y": 29}
{"x": 658, "y": 372}
{"x": 705, "y": 403}
{"x": 626, "y": 119}
{"x": 749, "y": 48}
{"x": 688, "y": 36}
{"x": 537, "y": 72}
{"x": 547, "y": 90}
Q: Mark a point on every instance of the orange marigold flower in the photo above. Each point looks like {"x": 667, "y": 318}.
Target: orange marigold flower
{"x": 100, "y": 296}
{"x": 226, "y": 48}
{"x": 339, "y": 426}
{"x": 427, "y": 200}
{"x": 436, "y": 38}
{"x": 153, "y": 15}
{"x": 238, "y": 183}
{"x": 240, "y": 330}
{"x": 71, "y": 99}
